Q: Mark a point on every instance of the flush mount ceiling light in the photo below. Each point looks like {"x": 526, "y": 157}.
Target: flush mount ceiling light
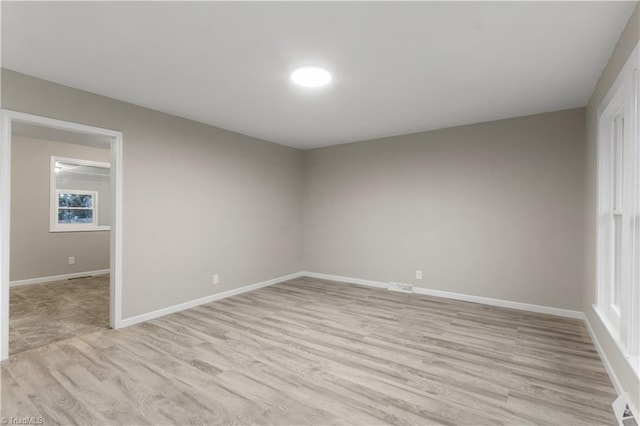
{"x": 311, "y": 77}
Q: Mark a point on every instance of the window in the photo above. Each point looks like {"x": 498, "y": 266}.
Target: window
{"x": 618, "y": 226}
{"x": 77, "y": 207}
{"x": 80, "y": 195}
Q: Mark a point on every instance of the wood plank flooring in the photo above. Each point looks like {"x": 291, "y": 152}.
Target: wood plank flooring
{"x": 314, "y": 352}
{"x": 49, "y": 312}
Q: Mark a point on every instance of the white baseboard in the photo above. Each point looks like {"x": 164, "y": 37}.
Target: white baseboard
{"x": 457, "y": 296}
{"x": 500, "y": 302}
{"x": 378, "y": 284}
{"x": 58, "y": 277}
{"x": 207, "y": 299}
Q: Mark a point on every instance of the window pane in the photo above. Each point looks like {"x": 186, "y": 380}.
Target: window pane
{"x": 617, "y": 260}
{"x": 75, "y": 216}
{"x": 75, "y": 200}
{"x": 618, "y": 143}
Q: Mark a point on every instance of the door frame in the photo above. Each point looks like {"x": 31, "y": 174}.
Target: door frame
{"x": 7, "y": 117}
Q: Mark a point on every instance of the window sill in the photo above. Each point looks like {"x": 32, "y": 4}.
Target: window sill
{"x": 80, "y": 229}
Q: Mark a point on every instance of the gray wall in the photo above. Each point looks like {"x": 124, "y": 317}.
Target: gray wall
{"x": 36, "y": 252}
{"x": 493, "y": 209}
{"x": 197, "y": 200}
{"x": 628, "y": 41}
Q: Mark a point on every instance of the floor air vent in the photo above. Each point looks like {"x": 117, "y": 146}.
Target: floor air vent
{"x": 623, "y": 413}
{"x": 404, "y": 288}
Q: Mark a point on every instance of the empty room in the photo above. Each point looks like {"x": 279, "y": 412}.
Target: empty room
{"x": 320, "y": 213}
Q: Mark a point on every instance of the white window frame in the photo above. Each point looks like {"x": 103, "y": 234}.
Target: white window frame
{"x": 54, "y": 226}
{"x": 93, "y": 208}
{"x": 622, "y": 320}
{"x": 610, "y": 208}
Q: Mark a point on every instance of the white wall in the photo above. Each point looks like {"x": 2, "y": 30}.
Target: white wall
{"x": 36, "y": 252}
{"x": 197, "y": 200}
{"x": 492, "y": 209}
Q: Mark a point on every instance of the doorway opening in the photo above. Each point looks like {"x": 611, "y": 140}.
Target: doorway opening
{"x": 61, "y": 252}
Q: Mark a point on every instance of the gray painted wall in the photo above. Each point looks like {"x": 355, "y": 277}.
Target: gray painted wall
{"x": 201, "y": 200}
{"x": 197, "y": 200}
{"x": 628, "y": 41}
{"x": 36, "y": 252}
{"x": 492, "y": 209}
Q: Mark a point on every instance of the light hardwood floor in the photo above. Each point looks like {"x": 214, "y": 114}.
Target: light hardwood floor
{"x": 49, "y": 312}
{"x": 313, "y": 352}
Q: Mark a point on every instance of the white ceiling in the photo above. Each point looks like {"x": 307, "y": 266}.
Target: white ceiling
{"x": 398, "y": 67}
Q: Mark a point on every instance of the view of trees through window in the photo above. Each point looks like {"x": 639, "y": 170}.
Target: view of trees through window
{"x": 75, "y": 207}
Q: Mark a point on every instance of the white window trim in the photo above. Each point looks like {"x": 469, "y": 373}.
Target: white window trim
{"x": 54, "y": 226}
{"x": 73, "y": 226}
{"x": 624, "y": 325}
{"x": 607, "y": 211}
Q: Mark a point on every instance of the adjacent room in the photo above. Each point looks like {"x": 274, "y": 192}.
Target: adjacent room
{"x": 315, "y": 213}
{"x": 59, "y": 269}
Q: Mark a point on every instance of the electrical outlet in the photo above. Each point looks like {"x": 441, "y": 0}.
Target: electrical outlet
{"x": 216, "y": 279}
{"x": 418, "y": 275}
{"x": 72, "y": 260}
